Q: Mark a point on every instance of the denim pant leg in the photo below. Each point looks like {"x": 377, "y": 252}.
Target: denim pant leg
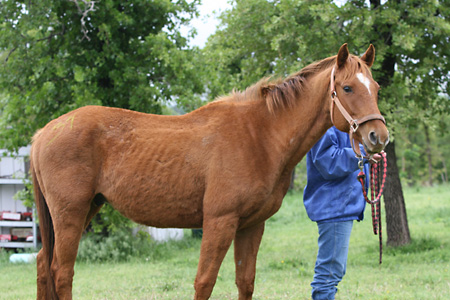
{"x": 331, "y": 263}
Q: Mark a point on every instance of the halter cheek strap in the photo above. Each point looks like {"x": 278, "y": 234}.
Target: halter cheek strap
{"x": 354, "y": 123}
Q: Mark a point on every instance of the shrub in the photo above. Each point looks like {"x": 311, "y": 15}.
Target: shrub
{"x": 119, "y": 245}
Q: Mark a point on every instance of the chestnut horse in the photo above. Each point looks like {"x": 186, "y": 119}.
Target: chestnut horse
{"x": 224, "y": 167}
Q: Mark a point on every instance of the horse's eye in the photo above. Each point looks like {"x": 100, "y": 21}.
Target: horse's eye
{"x": 347, "y": 89}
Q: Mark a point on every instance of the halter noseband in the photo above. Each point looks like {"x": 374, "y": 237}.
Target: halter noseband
{"x": 354, "y": 123}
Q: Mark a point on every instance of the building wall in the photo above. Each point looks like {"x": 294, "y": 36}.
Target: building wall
{"x": 13, "y": 170}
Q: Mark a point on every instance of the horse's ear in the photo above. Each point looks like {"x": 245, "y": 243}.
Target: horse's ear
{"x": 342, "y": 56}
{"x": 369, "y": 56}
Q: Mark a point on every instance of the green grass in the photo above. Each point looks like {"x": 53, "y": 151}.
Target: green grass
{"x": 286, "y": 260}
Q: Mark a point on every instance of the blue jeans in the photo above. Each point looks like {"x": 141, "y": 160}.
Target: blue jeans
{"x": 331, "y": 263}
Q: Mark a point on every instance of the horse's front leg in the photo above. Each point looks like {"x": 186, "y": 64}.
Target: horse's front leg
{"x": 218, "y": 233}
{"x": 246, "y": 246}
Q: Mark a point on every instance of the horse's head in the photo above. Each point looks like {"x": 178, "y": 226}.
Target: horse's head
{"x": 354, "y": 100}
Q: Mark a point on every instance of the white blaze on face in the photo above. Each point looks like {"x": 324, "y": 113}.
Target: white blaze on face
{"x": 364, "y": 80}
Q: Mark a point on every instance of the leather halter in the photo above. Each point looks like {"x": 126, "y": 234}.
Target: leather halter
{"x": 354, "y": 123}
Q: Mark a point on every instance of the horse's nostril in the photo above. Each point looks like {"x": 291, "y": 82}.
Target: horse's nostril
{"x": 373, "y": 138}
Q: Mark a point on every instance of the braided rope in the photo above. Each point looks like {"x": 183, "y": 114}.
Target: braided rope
{"x": 376, "y": 191}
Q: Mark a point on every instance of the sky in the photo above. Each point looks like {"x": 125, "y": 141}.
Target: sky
{"x": 207, "y": 22}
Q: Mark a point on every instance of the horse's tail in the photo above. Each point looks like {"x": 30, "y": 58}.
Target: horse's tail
{"x": 47, "y": 235}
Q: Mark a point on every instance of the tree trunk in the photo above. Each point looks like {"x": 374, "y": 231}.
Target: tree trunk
{"x": 445, "y": 174}
{"x": 396, "y": 220}
{"x": 428, "y": 151}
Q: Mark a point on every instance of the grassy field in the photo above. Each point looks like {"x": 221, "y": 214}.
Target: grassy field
{"x": 285, "y": 262}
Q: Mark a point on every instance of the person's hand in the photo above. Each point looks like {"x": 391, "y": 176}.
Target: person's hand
{"x": 376, "y": 158}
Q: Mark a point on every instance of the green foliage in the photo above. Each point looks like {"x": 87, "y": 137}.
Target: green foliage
{"x": 108, "y": 221}
{"x": 4, "y": 256}
{"x": 121, "y": 246}
{"x": 300, "y": 179}
{"x": 60, "y": 55}
{"x": 118, "y": 246}
{"x": 26, "y": 195}
{"x": 412, "y": 147}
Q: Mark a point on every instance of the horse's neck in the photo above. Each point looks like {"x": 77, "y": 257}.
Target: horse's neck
{"x": 302, "y": 126}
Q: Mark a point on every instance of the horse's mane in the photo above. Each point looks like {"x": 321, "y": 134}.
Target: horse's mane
{"x": 281, "y": 93}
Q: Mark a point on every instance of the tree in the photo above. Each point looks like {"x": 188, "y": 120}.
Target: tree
{"x": 59, "y": 55}
{"x": 274, "y": 38}
{"x": 412, "y": 36}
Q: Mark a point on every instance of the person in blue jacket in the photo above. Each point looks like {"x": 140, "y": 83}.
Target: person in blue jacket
{"x": 333, "y": 198}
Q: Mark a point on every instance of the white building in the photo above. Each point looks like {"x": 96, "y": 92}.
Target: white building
{"x": 13, "y": 172}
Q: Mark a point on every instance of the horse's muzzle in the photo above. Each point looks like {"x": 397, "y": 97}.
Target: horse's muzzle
{"x": 375, "y": 141}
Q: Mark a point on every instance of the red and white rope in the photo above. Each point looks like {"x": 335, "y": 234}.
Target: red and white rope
{"x": 376, "y": 190}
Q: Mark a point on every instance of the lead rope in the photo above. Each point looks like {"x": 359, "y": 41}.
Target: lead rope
{"x": 376, "y": 192}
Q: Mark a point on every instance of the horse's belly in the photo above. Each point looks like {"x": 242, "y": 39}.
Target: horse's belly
{"x": 159, "y": 210}
{"x": 161, "y": 194}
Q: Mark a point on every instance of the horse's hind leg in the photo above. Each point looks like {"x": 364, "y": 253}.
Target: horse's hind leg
{"x": 246, "y": 245}
{"x": 69, "y": 223}
{"x": 42, "y": 272}
{"x": 42, "y": 267}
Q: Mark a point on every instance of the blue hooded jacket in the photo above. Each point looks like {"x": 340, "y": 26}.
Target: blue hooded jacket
{"x": 333, "y": 192}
